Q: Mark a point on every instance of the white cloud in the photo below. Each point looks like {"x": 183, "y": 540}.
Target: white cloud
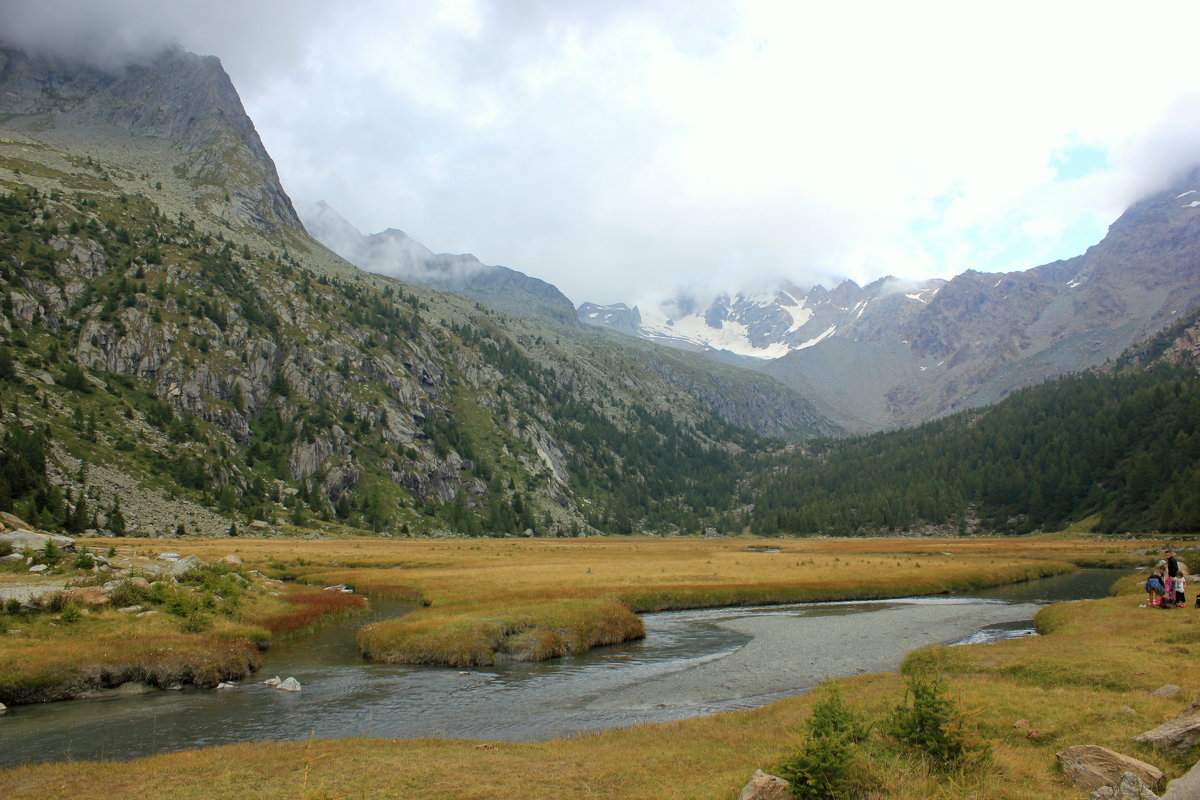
{"x": 621, "y": 149}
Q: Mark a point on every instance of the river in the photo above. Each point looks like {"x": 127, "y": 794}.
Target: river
{"x": 345, "y": 696}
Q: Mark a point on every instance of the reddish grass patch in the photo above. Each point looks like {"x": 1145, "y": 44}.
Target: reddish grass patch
{"x": 311, "y": 608}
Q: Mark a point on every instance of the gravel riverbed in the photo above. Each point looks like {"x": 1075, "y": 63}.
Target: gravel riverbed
{"x": 790, "y": 653}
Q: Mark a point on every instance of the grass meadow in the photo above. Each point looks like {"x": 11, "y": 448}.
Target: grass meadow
{"x": 1086, "y": 681}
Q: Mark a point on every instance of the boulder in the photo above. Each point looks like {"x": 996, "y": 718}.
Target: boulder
{"x": 3, "y": 708}
{"x": 233, "y": 559}
{"x": 289, "y": 685}
{"x": 272, "y": 682}
{"x": 765, "y": 787}
{"x": 1170, "y": 690}
{"x": 1090, "y": 767}
{"x": 28, "y": 540}
{"x": 13, "y": 558}
{"x": 1178, "y": 734}
{"x": 38, "y": 568}
{"x": 187, "y": 562}
{"x": 1130, "y": 787}
{"x": 13, "y": 522}
{"x": 1185, "y": 787}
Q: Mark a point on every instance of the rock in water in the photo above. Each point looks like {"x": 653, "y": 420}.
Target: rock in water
{"x": 289, "y": 685}
{"x": 765, "y": 787}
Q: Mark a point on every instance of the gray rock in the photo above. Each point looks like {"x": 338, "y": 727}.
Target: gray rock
{"x": 3, "y": 708}
{"x": 1170, "y": 690}
{"x": 1186, "y": 787}
{"x": 28, "y": 540}
{"x": 765, "y": 787}
{"x": 130, "y": 609}
{"x": 38, "y": 568}
{"x": 289, "y": 685}
{"x": 13, "y": 557}
{"x": 1130, "y": 787}
{"x": 1091, "y": 767}
{"x": 232, "y": 558}
{"x": 1178, "y": 734}
{"x": 187, "y": 562}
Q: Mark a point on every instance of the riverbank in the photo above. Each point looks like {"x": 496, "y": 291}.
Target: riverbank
{"x": 1088, "y": 680}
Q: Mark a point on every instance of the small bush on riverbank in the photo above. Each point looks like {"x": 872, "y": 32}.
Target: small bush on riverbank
{"x": 827, "y": 765}
{"x": 928, "y": 720}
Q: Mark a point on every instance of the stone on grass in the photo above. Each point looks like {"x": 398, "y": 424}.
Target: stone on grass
{"x": 1185, "y": 787}
{"x": 38, "y": 568}
{"x": 765, "y": 787}
{"x": 1130, "y": 787}
{"x": 187, "y": 562}
{"x": 1091, "y": 766}
{"x": 1170, "y": 690}
{"x": 289, "y": 685}
{"x": 1176, "y": 735}
{"x": 232, "y": 558}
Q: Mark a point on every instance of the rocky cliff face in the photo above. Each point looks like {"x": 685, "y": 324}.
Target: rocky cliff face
{"x": 184, "y": 100}
{"x": 218, "y": 377}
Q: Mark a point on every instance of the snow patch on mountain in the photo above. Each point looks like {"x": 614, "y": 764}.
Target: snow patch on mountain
{"x": 696, "y": 330}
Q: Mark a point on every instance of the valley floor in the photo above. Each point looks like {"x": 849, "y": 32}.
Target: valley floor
{"x": 1086, "y": 681}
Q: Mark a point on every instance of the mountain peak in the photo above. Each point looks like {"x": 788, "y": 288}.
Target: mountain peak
{"x": 179, "y": 98}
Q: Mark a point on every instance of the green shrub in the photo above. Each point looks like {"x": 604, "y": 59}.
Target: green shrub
{"x": 826, "y": 767}
{"x": 51, "y": 554}
{"x": 928, "y": 721}
{"x": 70, "y": 614}
{"x": 12, "y": 607}
{"x": 84, "y": 561}
{"x": 195, "y": 622}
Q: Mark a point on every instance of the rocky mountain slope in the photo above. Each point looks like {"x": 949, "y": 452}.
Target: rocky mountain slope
{"x": 177, "y": 353}
{"x": 894, "y": 353}
{"x": 393, "y": 252}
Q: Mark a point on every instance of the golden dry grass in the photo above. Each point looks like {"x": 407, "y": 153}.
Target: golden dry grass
{"x": 1072, "y": 685}
{"x": 489, "y": 598}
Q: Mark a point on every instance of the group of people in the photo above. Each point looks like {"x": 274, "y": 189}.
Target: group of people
{"x": 1165, "y": 588}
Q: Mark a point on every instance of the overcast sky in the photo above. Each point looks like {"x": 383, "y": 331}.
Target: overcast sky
{"x": 621, "y": 149}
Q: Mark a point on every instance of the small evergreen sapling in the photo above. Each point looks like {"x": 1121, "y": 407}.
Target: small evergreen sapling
{"x": 826, "y": 767}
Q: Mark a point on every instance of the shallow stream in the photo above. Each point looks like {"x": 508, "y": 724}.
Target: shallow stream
{"x": 345, "y": 696}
